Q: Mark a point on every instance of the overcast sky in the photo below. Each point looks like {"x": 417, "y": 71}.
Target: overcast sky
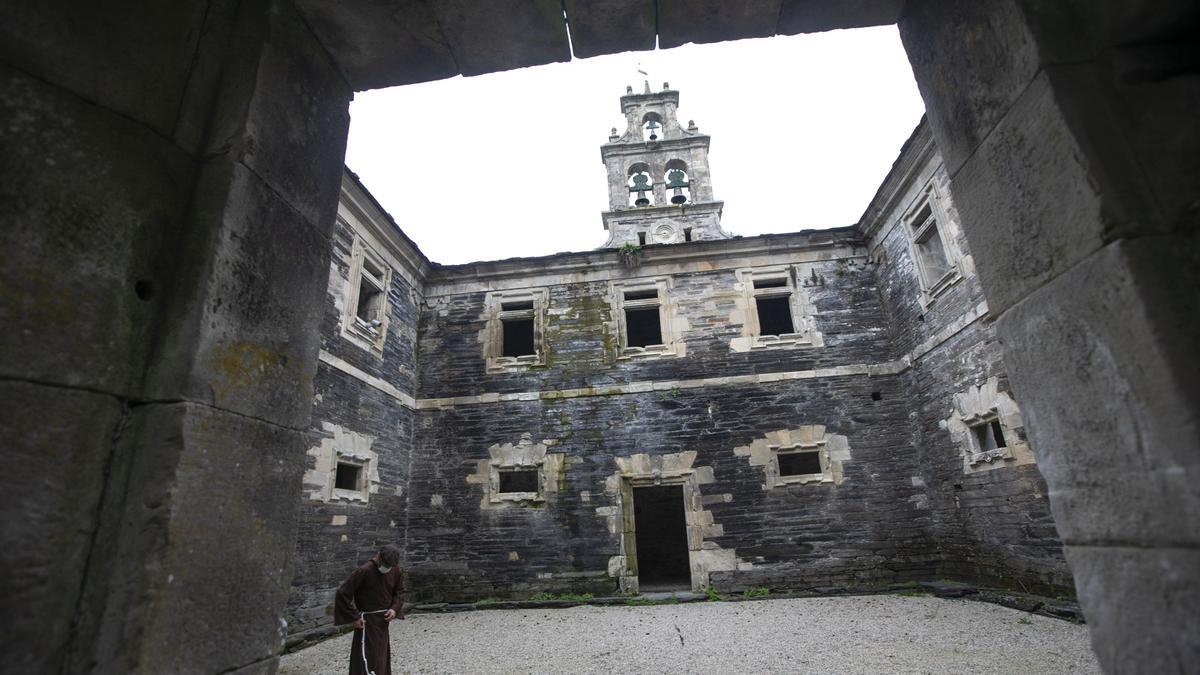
{"x": 803, "y": 131}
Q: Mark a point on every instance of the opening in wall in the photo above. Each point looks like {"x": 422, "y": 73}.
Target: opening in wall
{"x": 799, "y": 463}
{"x": 518, "y": 330}
{"x": 642, "y": 327}
{"x": 989, "y": 435}
{"x": 641, "y": 238}
{"x": 349, "y": 476}
{"x": 518, "y": 480}
{"x": 774, "y": 315}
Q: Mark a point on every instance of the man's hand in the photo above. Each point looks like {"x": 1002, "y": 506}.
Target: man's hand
{"x": 359, "y": 623}
{"x": 389, "y": 615}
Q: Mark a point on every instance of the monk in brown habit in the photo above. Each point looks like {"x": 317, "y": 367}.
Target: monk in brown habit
{"x": 370, "y": 599}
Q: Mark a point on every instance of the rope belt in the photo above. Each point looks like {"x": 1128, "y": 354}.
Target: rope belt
{"x": 363, "y": 616}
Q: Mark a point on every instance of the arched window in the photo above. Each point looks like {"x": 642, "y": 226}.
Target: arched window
{"x": 652, "y": 127}
{"x": 641, "y": 185}
{"x": 679, "y": 189}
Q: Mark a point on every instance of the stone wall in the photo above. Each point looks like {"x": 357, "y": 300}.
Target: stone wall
{"x": 992, "y": 522}
{"x": 885, "y": 377}
{"x": 363, "y": 411}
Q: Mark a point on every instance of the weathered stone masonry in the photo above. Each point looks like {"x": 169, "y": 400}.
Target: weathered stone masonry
{"x": 873, "y": 379}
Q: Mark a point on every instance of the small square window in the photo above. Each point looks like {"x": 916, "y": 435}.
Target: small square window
{"x": 518, "y": 337}
{"x": 519, "y": 480}
{"x": 642, "y": 327}
{"x": 989, "y": 436}
{"x": 774, "y": 315}
{"x": 349, "y": 476}
{"x": 799, "y": 463}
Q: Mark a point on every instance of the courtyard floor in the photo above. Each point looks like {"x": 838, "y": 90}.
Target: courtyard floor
{"x": 868, "y": 634}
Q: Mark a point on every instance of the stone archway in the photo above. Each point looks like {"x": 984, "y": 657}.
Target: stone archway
{"x": 157, "y": 165}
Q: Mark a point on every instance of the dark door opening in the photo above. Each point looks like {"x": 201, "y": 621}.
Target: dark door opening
{"x": 661, "y": 536}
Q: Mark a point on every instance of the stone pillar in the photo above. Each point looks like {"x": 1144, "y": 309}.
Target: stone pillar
{"x": 1074, "y": 161}
{"x": 164, "y": 250}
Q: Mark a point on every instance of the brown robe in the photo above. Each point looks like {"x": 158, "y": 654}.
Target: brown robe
{"x": 366, "y": 590}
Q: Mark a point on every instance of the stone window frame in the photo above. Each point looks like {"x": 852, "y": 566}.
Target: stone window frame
{"x": 833, "y": 449}
{"x": 825, "y": 475}
{"x": 804, "y": 332}
{"x": 353, "y": 328}
{"x": 362, "y": 494}
{"x": 524, "y": 454}
{"x": 672, "y": 344}
{"x": 983, "y": 404}
{"x": 340, "y": 445}
{"x": 494, "y": 357}
{"x": 916, "y": 232}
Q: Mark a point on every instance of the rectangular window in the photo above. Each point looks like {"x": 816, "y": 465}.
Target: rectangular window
{"x": 365, "y": 320}
{"x": 349, "y": 476}
{"x": 519, "y": 480}
{"x": 515, "y": 329}
{"x": 642, "y": 327}
{"x": 772, "y": 293}
{"x": 643, "y": 312}
{"x": 799, "y": 463}
{"x": 518, "y": 337}
{"x": 989, "y": 436}
{"x": 929, "y": 247}
{"x": 774, "y": 315}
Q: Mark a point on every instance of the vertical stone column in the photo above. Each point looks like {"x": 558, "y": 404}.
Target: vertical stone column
{"x": 165, "y": 247}
{"x": 1074, "y": 159}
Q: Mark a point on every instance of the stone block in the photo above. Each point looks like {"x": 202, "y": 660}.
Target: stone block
{"x": 1029, "y": 203}
{"x": 1141, "y": 606}
{"x": 1112, "y": 398}
{"x": 91, "y": 201}
{"x": 503, "y": 34}
{"x": 701, "y": 21}
{"x": 282, "y": 99}
{"x": 381, "y": 43}
{"x": 610, "y": 26}
{"x": 813, "y": 16}
{"x": 203, "y": 535}
{"x": 129, "y": 57}
{"x": 57, "y": 448}
{"x": 972, "y": 60}
{"x": 252, "y": 282}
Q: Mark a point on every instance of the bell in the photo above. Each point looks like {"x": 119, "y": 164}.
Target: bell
{"x": 653, "y": 127}
{"x": 677, "y": 180}
{"x": 641, "y": 199}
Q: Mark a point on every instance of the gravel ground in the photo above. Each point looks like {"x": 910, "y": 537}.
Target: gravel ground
{"x": 870, "y": 634}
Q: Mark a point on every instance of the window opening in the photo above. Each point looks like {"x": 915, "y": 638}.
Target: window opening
{"x": 519, "y": 480}
{"x": 518, "y": 337}
{"x": 774, "y": 315}
{"x": 644, "y": 294}
{"x": 641, "y": 238}
{"x": 931, "y": 250}
{"x": 369, "y": 300}
{"x": 642, "y": 327}
{"x": 989, "y": 435}
{"x": 799, "y": 463}
{"x": 687, "y": 234}
{"x": 516, "y": 306}
{"x": 348, "y": 476}
{"x": 779, "y": 282}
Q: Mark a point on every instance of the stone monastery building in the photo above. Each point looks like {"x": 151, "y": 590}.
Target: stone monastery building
{"x": 682, "y": 408}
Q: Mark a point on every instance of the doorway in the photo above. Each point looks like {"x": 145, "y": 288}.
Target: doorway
{"x": 661, "y": 538}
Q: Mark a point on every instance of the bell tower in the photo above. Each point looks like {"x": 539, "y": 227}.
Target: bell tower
{"x": 659, "y": 190}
